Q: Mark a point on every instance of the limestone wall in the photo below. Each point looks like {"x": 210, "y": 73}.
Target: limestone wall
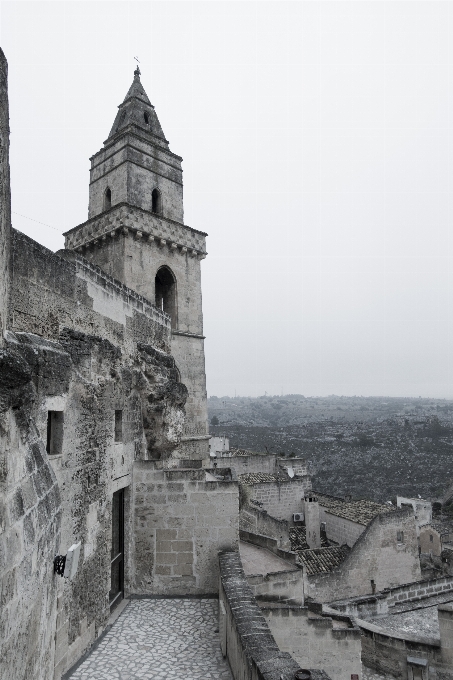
{"x": 30, "y": 519}
{"x": 181, "y": 521}
{"x": 339, "y": 529}
{"x": 255, "y": 463}
{"x": 316, "y": 641}
{"x": 283, "y": 587}
{"x": 5, "y": 195}
{"x": 258, "y": 521}
{"x": 376, "y": 556}
{"x": 282, "y": 499}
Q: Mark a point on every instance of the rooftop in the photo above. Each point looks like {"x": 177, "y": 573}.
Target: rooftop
{"x": 322, "y": 560}
{"x": 297, "y": 537}
{"x": 360, "y": 511}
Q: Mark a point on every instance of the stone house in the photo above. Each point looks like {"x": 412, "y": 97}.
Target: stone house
{"x": 436, "y": 537}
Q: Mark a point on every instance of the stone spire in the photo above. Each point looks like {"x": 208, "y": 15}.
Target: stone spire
{"x": 138, "y": 111}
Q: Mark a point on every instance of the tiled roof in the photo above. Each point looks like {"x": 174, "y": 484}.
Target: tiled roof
{"x": 322, "y": 560}
{"x": 297, "y": 537}
{"x": 361, "y": 512}
{"x": 251, "y": 478}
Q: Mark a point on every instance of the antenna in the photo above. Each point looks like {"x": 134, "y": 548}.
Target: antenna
{"x": 136, "y": 59}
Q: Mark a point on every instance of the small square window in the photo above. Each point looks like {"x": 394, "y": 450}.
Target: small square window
{"x": 55, "y": 421}
{"x": 118, "y": 426}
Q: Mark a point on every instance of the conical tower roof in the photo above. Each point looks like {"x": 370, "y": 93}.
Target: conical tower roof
{"x": 137, "y": 110}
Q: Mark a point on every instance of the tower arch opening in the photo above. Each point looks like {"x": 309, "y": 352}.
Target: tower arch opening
{"x": 107, "y": 199}
{"x": 156, "y": 202}
{"x": 165, "y": 293}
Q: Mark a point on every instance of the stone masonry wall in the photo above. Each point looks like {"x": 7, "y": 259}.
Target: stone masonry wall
{"x": 30, "y": 519}
{"x": 316, "y": 641}
{"x": 5, "y": 195}
{"x": 181, "y": 521}
{"x": 282, "y": 499}
{"x": 258, "y": 521}
{"x": 339, "y": 529}
{"x": 376, "y": 556}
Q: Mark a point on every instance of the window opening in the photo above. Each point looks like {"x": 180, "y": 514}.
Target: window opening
{"x": 400, "y": 537}
{"x": 165, "y": 293}
{"x": 118, "y": 426}
{"x": 431, "y": 539}
{"x": 156, "y": 201}
{"x": 146, "y": 117}
{"x": 54, "y": 444}
{"x": 107, "y": 199}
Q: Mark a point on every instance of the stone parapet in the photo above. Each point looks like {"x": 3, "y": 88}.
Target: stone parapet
{"x": 245, "y": 637}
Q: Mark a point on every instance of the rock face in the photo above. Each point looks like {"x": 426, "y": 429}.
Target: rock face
{"x": 94, "y": 416}
{"x": 5, "y": 195}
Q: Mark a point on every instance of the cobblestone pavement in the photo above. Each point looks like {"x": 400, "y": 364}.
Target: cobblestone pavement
{"x": 160, "y": 640}
{"x": 257, "y": 560}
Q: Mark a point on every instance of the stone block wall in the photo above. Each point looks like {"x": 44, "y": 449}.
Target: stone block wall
{"x": 316, "y": 641}
{"x": 283, "y": 586}
{"x": 376, "y": 557}
{"x": 258, "y": 521}
{"x": 181, "y": 521}
{"x": 30, "y": 522}
{"x": 282, "y": 499}
{"x": 341, "y": 530}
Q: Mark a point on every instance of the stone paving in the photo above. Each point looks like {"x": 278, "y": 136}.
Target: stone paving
{"x": 160, "y": 640}
{"x": 256, "y": 560}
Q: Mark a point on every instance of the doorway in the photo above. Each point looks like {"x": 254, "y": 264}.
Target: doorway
{"x": 117, "y": 555}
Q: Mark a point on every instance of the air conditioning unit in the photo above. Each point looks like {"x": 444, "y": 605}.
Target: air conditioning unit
{"x": 298, "y": 517}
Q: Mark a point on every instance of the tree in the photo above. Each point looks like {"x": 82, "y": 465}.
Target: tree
{"x": 214, "y": 420}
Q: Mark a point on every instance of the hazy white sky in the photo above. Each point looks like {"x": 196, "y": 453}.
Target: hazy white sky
{"x": 316, "y": 139}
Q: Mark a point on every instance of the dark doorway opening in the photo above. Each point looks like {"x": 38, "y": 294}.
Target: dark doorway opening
{"x": 117, "y": 555}
{"x": 165, "y": 292}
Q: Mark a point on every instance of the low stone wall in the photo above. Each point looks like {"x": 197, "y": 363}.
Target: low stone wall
{"x": 268, "y": 543}
{"x": 245, "y": 637}
{"x": 258, "y": 521}
{"x": 418, "y": 589}
{"x": 281, "y": 586}
{"x": 388, "y": 653}
{"x": 321, "y": 641}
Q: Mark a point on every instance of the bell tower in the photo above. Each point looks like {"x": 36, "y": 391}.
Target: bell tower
{"x": 136, "y": 233}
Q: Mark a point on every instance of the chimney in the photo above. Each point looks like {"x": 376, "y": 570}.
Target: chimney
{"x": 312, "y": 523}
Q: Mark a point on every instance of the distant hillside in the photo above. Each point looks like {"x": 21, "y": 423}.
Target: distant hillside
{"x": 370, "y": 447}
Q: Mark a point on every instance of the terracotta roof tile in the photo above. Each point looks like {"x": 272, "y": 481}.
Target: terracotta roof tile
{"x": 322, "y": 560}
{"x": 361, "y": 512}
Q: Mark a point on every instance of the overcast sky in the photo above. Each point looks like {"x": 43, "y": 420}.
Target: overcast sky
{"x": 317, "y": 156}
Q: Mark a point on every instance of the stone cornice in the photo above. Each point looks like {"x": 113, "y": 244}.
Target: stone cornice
{"x": 124, "y": 220}
{"x": 134, "y": 207}
{"x": 140, "y": 165}
{"x": 127, "y": 145}
{"x": 189, "y": 335}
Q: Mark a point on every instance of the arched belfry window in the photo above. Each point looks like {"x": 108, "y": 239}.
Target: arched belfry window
{"x": 156, "y": 202}
{"x": 107, "y": 199}
{"x": 165, "y": 293}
